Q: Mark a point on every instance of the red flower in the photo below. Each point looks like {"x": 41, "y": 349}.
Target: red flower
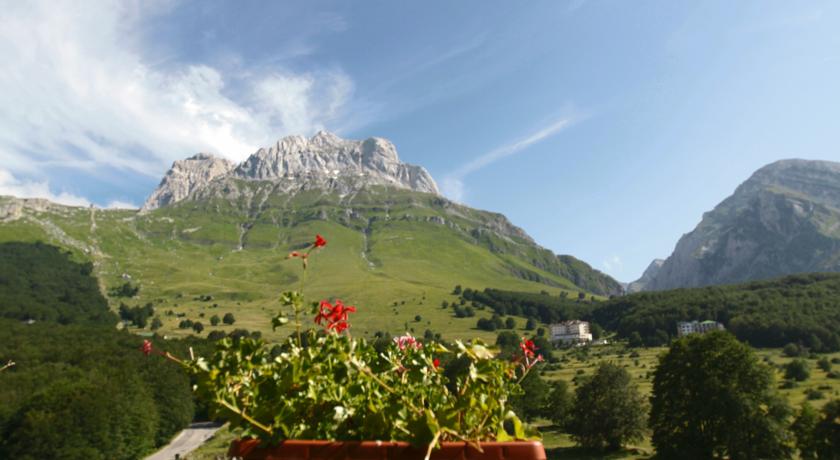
{"x": 528, "y": 348}
{"x": 334, "y": 316}
{"x": 293, "y": 254}
{"x": 436, "y": 363}
{"x": 319, "y": 241}
{"x": 146, "y": 348}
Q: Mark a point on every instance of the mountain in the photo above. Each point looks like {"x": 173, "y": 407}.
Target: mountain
{"x": 221, "y": 231}
{"x": 185, "y": 176}
{"x": 784, "y": 219}
{"x": 295, "y": 163}
{"x": 650, "y": 272}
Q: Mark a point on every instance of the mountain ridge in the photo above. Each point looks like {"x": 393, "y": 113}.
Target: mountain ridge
{"x": 294, "y": 163}
{"x": 784, "y": 219}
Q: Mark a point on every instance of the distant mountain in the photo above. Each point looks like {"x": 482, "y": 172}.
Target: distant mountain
{"x": 647, "y": 276}
{"x": 295, "y": 163}
{"x": 783, "y": 220}
{"x": 216, "y": 229}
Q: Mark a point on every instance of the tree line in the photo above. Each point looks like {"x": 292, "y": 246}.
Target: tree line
{"x": 79, "y": 389}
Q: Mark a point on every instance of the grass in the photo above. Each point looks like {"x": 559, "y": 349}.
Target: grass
{"x": 393, "y": 255}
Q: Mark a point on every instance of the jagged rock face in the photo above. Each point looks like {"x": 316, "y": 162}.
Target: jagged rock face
{"x": 185, "y": 176}
{"x": 296, "y": 163}
{"x": 784, "y": 219}
{"x": 650, "y": 273}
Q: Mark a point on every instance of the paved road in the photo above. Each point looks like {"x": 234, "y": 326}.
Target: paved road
{"x": 186, "y": 441}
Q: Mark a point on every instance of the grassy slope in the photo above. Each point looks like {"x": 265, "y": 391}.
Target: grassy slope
{"x": 395, "y": 254}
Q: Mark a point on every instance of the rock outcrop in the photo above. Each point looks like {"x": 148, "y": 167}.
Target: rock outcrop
{"x": 324, "y": 161}
{"x": 785, "y": 219}
{"x": 650, "y": 273}
{"x": 185, "y": 176}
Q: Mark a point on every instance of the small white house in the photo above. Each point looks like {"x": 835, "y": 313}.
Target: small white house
{"x": 571, "y": 332}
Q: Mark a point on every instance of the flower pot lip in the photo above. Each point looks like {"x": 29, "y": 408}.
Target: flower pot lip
{"x": 357, "y": 450}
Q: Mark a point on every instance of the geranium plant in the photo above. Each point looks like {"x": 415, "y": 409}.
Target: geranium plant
{"x": 325, "y": 384}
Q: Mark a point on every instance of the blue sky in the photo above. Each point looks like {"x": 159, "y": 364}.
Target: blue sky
{"x": 604, "y": 129}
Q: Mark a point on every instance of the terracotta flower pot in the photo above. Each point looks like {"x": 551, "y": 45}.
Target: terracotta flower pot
{"x": 249, "y": 449}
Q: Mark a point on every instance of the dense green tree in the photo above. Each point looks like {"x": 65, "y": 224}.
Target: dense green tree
{"x": 712, "y": 398}
{"x": 198, "y": 327}
{"x": 558, "y": 406}
{"x": 531, "y": 404}
{"x": 824, "y": 364}
{"x": 228, "y": 318}
{"x": 799, "y": 309}
{"x": 827, "y": 432}
{"x": 531, "y": 324}
{"x": 508, "y": 343}
{"x": 510, "y": 323}
{"x": 156, "y": 323}
{"x": 803, "y": 429}
{"x": 797, "y": 370}
{"x": 215, "y": 320}
{"x": 608, "y": 410}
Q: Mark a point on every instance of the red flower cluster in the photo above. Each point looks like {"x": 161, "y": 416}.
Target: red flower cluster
{"x": 334, "y": 316}
{"x": 146, "y": 348}
{"x": 528, "y": 348}
{"x": 436, "y": 363}
{"x": 407, "y": 341}
{"x": 320, "y": 241}
{"x": 529, "y": 354}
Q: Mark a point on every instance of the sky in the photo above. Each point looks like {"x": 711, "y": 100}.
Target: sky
{"x": 605, "y": 129}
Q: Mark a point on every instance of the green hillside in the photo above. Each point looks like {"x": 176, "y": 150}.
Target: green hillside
{"x": 394, "y": 254}
{"x": 800, "y": 309}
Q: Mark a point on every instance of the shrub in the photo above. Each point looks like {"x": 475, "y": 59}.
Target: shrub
{"x": 797, "y": 370}
{"x": 228, "y": 318}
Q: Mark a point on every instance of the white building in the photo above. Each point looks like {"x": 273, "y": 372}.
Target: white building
{"x": 571, "y": 332}
{"x": 697, "y": 327}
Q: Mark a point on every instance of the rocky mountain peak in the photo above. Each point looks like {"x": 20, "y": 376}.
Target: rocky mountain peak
{"x": 324, "y": 161}
{"x": 784, "y": 219}
{"x": 185, "y": 176}
{"x": 647, "y": 276}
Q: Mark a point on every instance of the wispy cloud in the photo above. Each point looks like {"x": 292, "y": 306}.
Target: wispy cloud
{"x": 613, "y": 264}
{"x": 453, "y": 183}
{"x": 77, "y": 92}
{"x": 10, "y": 185}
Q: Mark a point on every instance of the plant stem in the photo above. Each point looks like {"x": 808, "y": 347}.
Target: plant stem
{"x": 242, "y": 414}
{"x": 8, "y": 365}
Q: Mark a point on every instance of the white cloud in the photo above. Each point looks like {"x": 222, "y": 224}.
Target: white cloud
{"x": 453, "y": 183}
{"x": 117, "y": 204}
{"x": 614, "y": 263}
{"x": 9, "y": 185}
{"x": 76, "y": 92}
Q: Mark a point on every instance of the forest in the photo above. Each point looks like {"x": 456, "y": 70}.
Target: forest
{"x": 80, "y": 388}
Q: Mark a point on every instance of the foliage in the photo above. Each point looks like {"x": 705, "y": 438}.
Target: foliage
{"x": 327, "y": 385}
{"x": 559, "y": 403}
{"x": 803, "y": 428}
{"x": 228, "y": 318}
{"x": 797, "y": 370}
{"x": 543, "y": 306}
{"x": 608, "y": 410}
{"x": 43, "y": 283}
{"x": 795, "y": 309}
{"x": 125, "y": 290}
{"x": 827, "y": 431}
{"x": 706, "y": 385}
{"x": 78, "y": 390}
